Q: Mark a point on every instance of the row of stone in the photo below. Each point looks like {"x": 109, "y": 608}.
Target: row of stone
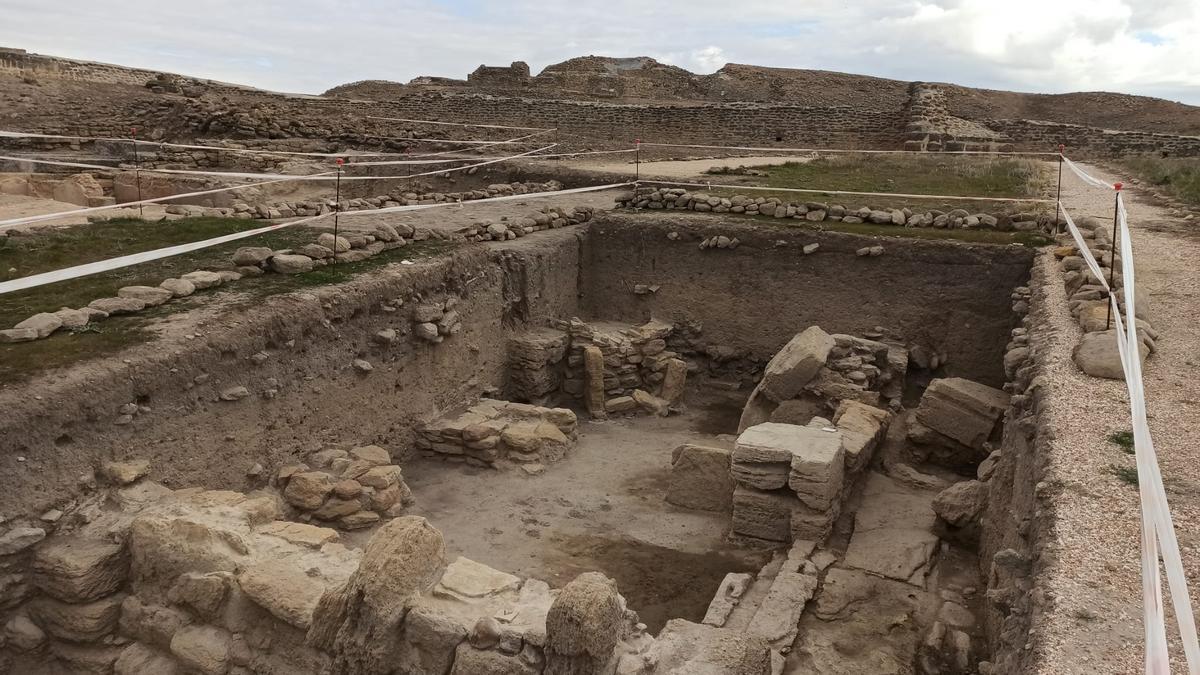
{"x": 678, "y": 198}
{"x": 1097, "y": 353}
{"x": 491, "y": 431}
{"x": 353, "y": 489}
{"x": 548, "y": 218}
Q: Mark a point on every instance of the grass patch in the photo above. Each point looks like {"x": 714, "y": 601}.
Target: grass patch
{"x": 1177, "y": 175}
{"x": 1127, "y": 474}
{"x": 1123, "y": 440}
{"x": 935, "y": 174}
{"x": 48, "y": 249}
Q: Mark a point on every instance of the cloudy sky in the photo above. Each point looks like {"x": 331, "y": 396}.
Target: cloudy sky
{"x": 1137, "y": 46}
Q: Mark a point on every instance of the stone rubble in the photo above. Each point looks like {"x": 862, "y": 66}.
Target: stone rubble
{"x": 492, "y": 432}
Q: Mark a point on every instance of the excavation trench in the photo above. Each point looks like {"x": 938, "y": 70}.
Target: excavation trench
{"x": 603, "y": 502}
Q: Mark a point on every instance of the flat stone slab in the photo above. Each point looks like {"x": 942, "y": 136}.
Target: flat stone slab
{"x": 962, "y": 410}
{"x": 778, "y": 618}
{"x": 686, "y": 648}
{"x": 794, "y": 365}
{"x": 893, "y": 531}
{"x": 700, "y": 478}
{"x": 772, "y": 455}
{"x": 466, "y": 580}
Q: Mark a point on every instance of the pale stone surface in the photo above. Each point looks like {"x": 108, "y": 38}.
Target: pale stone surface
{"x": 962, "y": 410}
{"x": 778, "y": 618}
{"x": 686, "y": 648}
{"x": 732, "y": 588}
{"x": 309, "y": 489}
{"x": 961, "y": 503}
{"x": 77, "y": 622}
{"x": 201, "y": 279}
{"x": 125, "y": 472}
{"x": 863, "y": 428}
{"x": 284, "y": 590}
{"x": 1098, "y": 356}
{"x": 466, "y": 579}
{"x": 44, "y": 324}
{"x": 766, "y": 515}
{"x": 700, "y": 478}
{"x": 372, "y": 454}
{"x": 251, "y": 255}
{"x": 291, "y": 264}
{"x": 148, "y": 294}
{"x": 203, "y": 648}
{"x": 117, "y": 306}
{"x": 893, "y": 531}
{"x": 76, "y": 569}
{"x": 428, "y": 642}
{"x": 794, "y": 365}
{"x": 138, "y": 659}
{"x": 20, "y": 538}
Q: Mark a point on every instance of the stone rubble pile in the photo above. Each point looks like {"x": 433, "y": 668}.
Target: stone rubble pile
{"x": 433, "y": 322}
{"x": 548, "y": 218}
{"x": 152, "y": 580}
{"x": 350, "y": 489}
{"x": 491, "y": 432}
{"x": 294, "y": 209}
{"x": 815, "y": 372}
{"x": 1097, "y": 353}
{"x": 679, "y": 198}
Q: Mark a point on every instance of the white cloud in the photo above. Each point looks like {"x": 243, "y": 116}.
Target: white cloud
{"x": 311, "y": 45}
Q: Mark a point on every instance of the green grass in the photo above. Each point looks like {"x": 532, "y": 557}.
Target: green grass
{"x": 48, "y": 249}
{"x": 1178, "y": 176}
{"x": 1123, "y": 440}
{"x": 935, "y": 174}
{"x": 1127, "y": 474}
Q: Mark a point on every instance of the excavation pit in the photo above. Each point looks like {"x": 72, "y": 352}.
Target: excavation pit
{"x": 600, "y": 503}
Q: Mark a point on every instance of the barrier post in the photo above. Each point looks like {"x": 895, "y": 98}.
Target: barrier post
{"x": 137, "y": 170}
{"x": 637, "y": 160}
{"x": 559, "y": 158}
{"x": 1058, "y": 194}
{"x": 1112, "y": 266}
{"x": 337, "y": 205}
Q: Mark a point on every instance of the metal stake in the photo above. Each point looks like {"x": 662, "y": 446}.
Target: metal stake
{"x": 137, "y": 171}
{"x": 337, "y": 205}
{"x": 1112, "y": 266}
{"x": 637, "y": 160}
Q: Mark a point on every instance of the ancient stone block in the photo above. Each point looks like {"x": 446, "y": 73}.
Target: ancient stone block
{"x": 468, "y": 580}
{"x": 428, "y": 641}
{"x": 203, "y": 648}
{"x": 862, "y": 428}
{"x": 962, "y": 410}
{"x": 1098, "y": 356}
{"x": 308, "y": 490}
{"x": 301, "y": 534}
{"x": 153, "y": 624}
{"x": 893, "y": 531}
{"x": 674, "y": 380}
{"x": 700, "y": 478}
{"x": 686, "y": 647}
{"x": 593, "y": 390}
{"x": 470, "y": 661}
{"x": 138, "y": 659}
{"x": 762, "y": 514}
{"x": 777, "y": 619}
{"x": 732, "y": 587}
{"x": 75, "y": 569}
{"x": 77, "y": 623}
{"x": 284, "y": 590}
{"x": 794, "y": 365}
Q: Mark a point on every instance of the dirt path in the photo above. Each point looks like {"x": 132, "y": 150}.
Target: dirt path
{"x": 1095, "y": 625}
{"x": 19, "y": 206}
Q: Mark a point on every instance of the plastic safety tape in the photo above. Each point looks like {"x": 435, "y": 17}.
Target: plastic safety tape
{"x": 717, "y": 186}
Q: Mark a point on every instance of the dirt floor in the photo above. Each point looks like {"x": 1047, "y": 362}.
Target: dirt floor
{"x": 602, "y": 508}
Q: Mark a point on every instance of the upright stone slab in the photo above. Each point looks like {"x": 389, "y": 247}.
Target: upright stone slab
{"x": 964, "y": 411}
{"x": 593, "y": 385}
{"x": 763, "y": 514}
{"x": 700, "y": 478}
{"x": 862, "y": 428}
{"x": 796, "y": 364}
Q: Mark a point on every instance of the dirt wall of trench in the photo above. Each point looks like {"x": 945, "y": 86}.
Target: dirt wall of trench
{"x": 952, "y": 297}
{"x": 60, "y": 426}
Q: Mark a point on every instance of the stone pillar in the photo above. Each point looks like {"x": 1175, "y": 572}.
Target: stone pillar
{"x": 593, "y": 382}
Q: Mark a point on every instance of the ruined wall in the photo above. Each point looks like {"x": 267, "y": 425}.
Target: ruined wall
{"x": 950, "y": 297}
{"x": 1092, "y": 141}
{"x": 20, "y": 62}
{"x": 302, "y": 390}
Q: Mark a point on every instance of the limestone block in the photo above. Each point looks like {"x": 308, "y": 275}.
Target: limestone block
{"x": 77, "y": 622}
{"x": 777, "y": 619}
{"x": 117, "y": 306}
{"x": 138, "y": 659}
{"x": 178, "y": 538}
{"x": 763, "y": 514}
{"x": 700, "y": 478}
{"x": 794, "y": 365}
{"x": 20, "y": 538}
{"x": 205, "y": 649}
{"x": 428, "y": 641}
{"x": 75, "y": 569}
{"x": 1098, "y": 356}
{"x": 23, "y": 634}
{"x": 893, "y": 531}
{"x": 584, "y": 623}
{"x": 961, "y": 503}
{"x": 965, "y": 411}
{"x": 674, "y": 380}
{"x": 467, "y": 580}
{"x": 863, "y": 428}
{"x": 291, "y": 264}
{"x": 153, "y": 624}
{"x": 84, "y": 658}
{"x": 372, "y": 454}
{"x": 201, "y": 279}
{"x": 593, "y": 390}
{"x": 471, "y": 661}
{"x": 308, "y": 490}
{"x": 150, "y": 295}
{"x": 732, "y": 588}
{"x": 203, "y": 593}
{"x": 284, "y": 590}
{"x": 251, "y": 255}
{"x": 686, "y": 648}
{"x": 44, "y": 323}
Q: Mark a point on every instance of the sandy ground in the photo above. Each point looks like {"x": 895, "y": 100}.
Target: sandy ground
{"x": 686, "y": 168}
{"x": 602, "y": 508}
{"x": 1096, "y": 623}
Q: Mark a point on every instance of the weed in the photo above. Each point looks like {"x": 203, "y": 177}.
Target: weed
{"x": 1177, "y": 175}
{"x": 1127, "y": 474}
{"x": 1123, "y": 440}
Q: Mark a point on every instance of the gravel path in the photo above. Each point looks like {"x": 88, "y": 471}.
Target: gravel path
{"x": 1095, "y": 624}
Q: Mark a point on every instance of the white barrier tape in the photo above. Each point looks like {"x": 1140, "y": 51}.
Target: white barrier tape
{"x": 460, "y": 124}
{"x": 190, "y": 172}
{"x": 1084, "y": 251}
{"x": 147, "y": 256}
{"x": 530, "y": 195}
{"x": 329, "y": 176}
{"x": 1085, "y": 176}
{"x": 590, "y": 152}
{"x": 721, "y": 186}
{"x": 839, "y": 150}
{"x": 1150, "y": 475}
{"x": 137, "y": 258}
{"x": 94, "y": 209}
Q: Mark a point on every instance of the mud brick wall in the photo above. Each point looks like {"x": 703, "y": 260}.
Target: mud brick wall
{"x": 1090, "y": 141}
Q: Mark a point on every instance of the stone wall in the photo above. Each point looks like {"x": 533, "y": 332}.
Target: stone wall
{"x": 923, "y": 293}
{"x": 1080, "y": 140}
{"x": 25, "y": 64}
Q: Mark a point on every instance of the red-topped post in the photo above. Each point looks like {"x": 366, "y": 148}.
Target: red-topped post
{"x": 137, "y": 170}
{"x": 337, "y": 205}
{"x": 637, "y": 160}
